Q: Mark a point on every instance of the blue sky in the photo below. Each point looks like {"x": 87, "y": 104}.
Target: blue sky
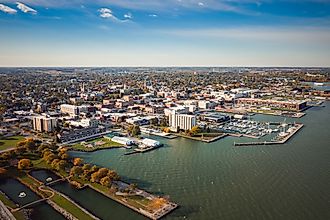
{"x": 165, "y": 33}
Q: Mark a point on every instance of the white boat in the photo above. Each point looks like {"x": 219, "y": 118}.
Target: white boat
{"x": 49, "y": 179}
{"x": 22, "y": 195}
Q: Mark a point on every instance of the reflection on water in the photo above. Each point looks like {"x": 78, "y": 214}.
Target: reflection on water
{"x": 12, "y": 188}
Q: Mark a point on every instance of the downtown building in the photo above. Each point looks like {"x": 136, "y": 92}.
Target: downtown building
{"x": 44, "y": 124}
{"x": 69, "y": 109}
{"x": 181, "y": 121}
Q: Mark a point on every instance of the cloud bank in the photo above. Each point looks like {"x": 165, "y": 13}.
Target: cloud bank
{"x": 7, "y": 9}
{"x": 26, "y": 9}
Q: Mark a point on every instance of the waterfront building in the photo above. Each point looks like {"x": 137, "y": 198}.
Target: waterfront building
{"x": 121, "y": 140}
{"x": 80, "y": 134}
{"x": 150, "y": 143}
{"x": 181, "y": 121}
{"x": 270, "y": 103}
{"x": 44, "y": 124}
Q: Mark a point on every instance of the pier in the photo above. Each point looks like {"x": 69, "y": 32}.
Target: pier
{"x": 283, "y": 141}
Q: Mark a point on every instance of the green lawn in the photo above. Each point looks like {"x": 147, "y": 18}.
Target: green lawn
{"x": 10, "y": 142}
{"x": 70, "y": 207}
{"x": 107, "y": 144}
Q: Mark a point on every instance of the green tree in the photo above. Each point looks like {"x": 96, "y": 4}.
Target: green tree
{"x": 134, "y": 130}
{"x": 76, "y": 171}
{"x": 61, "y": 165}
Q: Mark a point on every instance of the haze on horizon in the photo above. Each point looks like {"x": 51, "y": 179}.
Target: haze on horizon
{"x": 165, "y": 33}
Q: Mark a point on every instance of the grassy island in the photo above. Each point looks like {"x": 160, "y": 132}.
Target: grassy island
{"x": 95, "y": 144}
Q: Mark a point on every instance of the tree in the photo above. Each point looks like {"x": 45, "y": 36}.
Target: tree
{"x": 103, "y": 172}
{"x": 133, "y": 130}
{"x": 87, "y": 167}
{"x": 95, "y": 177}
{"x": 42, "y": 147}
{"x": 76, "y": 171}
{"x": 105, "y": 181}
{"x": 167, "y": 130}
{"x": 50, "y": 157}
{"x": 3, "y": 172}
{"x": 77, "y": 161}
{"x": 54, "y": 163}
{"x": 61, "y": 165}
{"x": 94, "y": 169}
{"x": 30, "y": 144}
{"x": 194, "y": 130}
{"x": 24, "y": 164}
{"x": 113, "y": 175}
{"x": 154, "y": 121}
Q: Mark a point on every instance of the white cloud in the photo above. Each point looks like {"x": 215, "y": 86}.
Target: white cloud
{"x": 26, "y": 9}
{"x": 128, "y": 15}
{"x": 144, "y": 5}
{"x": 153, "y": 15}
{"x": 7, "y": 9}
{"x": 201, "y": 4}
{"x": 107, "y": 13}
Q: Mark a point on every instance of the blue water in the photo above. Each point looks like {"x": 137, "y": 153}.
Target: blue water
{"x": 219, "y": 181}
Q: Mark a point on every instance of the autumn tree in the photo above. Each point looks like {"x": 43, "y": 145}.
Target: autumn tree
{"x": 24, "y": 164}
{"x": 95, "y": 177}
{"x": 105, "y": 181}
{"x": 194, "y": 130}
{"x": 54, "y": 163}
{"x": 3, "y": 172}
{"x": 113, "y": 175}
{"x": 76, "y": 171}
{"x": 77, "y": 161}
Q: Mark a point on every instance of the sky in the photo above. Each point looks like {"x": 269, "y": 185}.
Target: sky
{"x": 164, "y": 33}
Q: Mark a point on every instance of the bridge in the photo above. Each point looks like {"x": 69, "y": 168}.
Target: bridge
{"x": 29, "y": 204}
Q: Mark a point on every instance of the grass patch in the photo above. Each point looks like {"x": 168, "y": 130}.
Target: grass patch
{"x": 10, "y": 142}
{"x": 93, "y": 145}
{"x": 70, "y": 207}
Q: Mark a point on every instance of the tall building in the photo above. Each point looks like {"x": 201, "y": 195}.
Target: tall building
{"x": 69, "y": 109}
{"x": 181, "y": 121}
{"x": 44, "y": 124}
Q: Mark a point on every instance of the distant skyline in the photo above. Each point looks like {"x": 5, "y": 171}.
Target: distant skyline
{"x": 61, "y": 33}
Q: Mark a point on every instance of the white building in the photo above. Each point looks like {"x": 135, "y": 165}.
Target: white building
{"x": 88, "y": 122}
{"x": 122, "y": 140}
{"x": 181, "y": 121}
{"x": 44, "y": 124}
{"x": 69, "y": 109}
{"x": 150, "y": 143}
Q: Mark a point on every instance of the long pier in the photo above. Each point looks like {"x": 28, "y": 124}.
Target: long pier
{"x": 283, "y": 141}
